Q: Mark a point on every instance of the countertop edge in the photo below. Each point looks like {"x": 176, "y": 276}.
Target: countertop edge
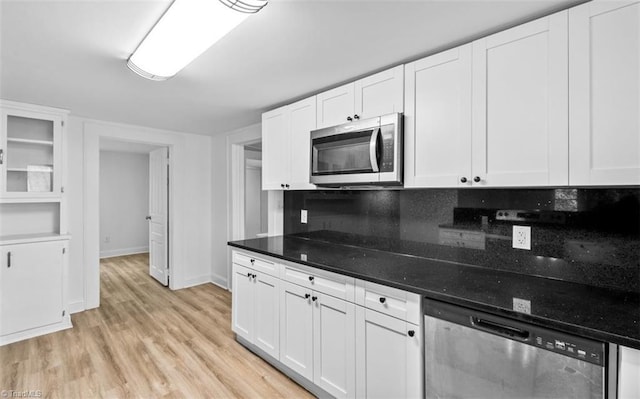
{"x": 575, "y": 329}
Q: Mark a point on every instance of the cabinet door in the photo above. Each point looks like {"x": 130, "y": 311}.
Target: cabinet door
{"x": 296, "y": 329}
{"x": 604, "y": 89}
{"x": 335, "y": 106}
{"x": 520, "y": 100}
{"x": 334, "y": 345}
{"x": 302, "y": 122}
{"x": 437, "y": 120}
{"x": 31, "y": 146}
{"x": 267, "y": 310}
{"x": 388, "y": 359}
{"x": 380, "y": 94}
{"x": 276, "y": 147}
{"x": 31, "y": 293}
{"x": 628, "y": 383}
{"x": 243, "y": 299}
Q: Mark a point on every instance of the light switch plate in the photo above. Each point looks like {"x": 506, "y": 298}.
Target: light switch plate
{"x": 522, "y": 237}
{"x": 303, "y": 216}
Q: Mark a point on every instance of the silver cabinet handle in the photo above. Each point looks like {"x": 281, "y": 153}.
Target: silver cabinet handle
{"x": 1, "y": 156}
{"x": 9, "y": 259}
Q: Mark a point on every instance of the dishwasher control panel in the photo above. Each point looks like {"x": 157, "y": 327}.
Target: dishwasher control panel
{"x": 588, "y": 351}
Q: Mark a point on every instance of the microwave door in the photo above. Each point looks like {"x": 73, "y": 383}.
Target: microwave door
{"x": 345, "y": 154}
{"x": 374, "y": 150}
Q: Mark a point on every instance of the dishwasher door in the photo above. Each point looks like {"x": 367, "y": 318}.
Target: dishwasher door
{"x": 470, "y": 354}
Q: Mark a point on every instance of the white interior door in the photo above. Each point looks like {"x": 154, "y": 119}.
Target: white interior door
{"x": 158, "y": 215}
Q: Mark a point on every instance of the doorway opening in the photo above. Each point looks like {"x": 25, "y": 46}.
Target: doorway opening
{"x": 134, "y": 206}
{"x": 256, "y": 222}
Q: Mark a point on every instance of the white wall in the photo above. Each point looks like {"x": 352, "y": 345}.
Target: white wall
{"x": 191, "y": 201}
{"x": 124, "y": 203}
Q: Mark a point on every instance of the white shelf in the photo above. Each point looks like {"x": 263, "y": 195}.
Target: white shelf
{"x": 20, "y": 199}
{"x": 29, "y": 238}
{"x": 26, "y": 170}
{"x": 29, "y": 141}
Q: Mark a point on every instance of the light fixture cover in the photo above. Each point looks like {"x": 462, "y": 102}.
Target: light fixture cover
{"x": 185, "y": 31}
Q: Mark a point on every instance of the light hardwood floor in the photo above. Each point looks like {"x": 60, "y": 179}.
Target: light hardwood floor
{"x": 144, "y": 341}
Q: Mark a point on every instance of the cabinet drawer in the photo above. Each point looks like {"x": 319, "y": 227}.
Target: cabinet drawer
{"x": 322, "y": 281}
{"x": 392, "y": 301}
{"x": 258, "y": 264}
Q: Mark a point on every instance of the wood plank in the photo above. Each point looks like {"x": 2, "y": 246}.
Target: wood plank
{"x": 144, "y": 341}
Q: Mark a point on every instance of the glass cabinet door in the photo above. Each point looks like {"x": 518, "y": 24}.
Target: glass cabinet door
{"x": 30, "y": 154}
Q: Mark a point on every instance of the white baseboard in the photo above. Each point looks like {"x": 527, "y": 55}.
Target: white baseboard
{"x": 223, "y": 286}
{"x": 36, "y": 332}
{"x": 76, "y": 307}
{"x": 220, "y": 281}
{"x": 192, "y": 282}
{"x": 122, "y": 252}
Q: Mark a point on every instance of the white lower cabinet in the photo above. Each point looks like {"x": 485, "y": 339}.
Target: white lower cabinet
{"x": 333, "y": 334}
{"x": 256, "y": 309}
{"x": 32, "y": 290}
{"x": 628, "y": 373}
{"x": 317, "y": 338}
{"x": 388, "y": 356}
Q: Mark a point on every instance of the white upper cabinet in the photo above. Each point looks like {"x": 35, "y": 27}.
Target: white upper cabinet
{"x": 302, "y": 121}
{"x": 375, "y": 95}
{"x": 520, "y": 100}
{"x": 604, "y": 90}
{"x": 437, "y": 120}
{"x": 286, "y": 148}
{"x": 336, "y": 106}
{"x": 380, "y": 94}
{"x": 275, "y": 144}
{"x": 30, "y": 153}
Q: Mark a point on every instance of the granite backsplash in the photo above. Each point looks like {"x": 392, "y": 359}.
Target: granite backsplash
{"x": 587, "y": 236}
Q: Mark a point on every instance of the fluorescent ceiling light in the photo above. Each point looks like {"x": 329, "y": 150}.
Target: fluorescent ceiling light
{"x": 185, "y": 31}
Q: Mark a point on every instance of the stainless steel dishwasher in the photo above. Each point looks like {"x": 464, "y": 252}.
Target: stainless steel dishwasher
{"x": 471, "y": 354}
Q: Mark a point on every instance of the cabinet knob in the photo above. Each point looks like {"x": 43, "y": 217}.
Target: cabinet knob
{"x": 356, "y": 116}
{"x": 249, "y": 275}
{"x": 349, "y": 118}
{"x": 253, "y": 261}
{"x": 477, "y": 179}
{"x": 313, "y": 298}
{"x": 383, "y": 299}
{"x": 311, "y": 278}
{"x": 148, "y": 218}
{"x": 254, "y": 275}
{"x": 306, "y": 296}
{"x": 411, "y": 333}
{"x": 463, "y": 179}
{"x": 281, "y": 185}
{"x": 286, "y": 186}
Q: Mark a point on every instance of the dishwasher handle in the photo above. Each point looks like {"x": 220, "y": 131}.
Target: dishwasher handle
{"x": 500, "y": 329}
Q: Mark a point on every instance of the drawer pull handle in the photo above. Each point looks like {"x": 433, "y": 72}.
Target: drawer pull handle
{"x": 313, "y": 298}
{"x": 411, "y": 333}
{"x": 306, "y": 296}
{"x": 253, "y": 261}
{"x": 9, "y": 259}
{"x": 383, "y": 299}
{"x": 311, "y": 278}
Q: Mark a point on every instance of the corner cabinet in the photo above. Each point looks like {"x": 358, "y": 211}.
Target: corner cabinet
{"x": 334, "y": 336}
{"x": 604, "y": 89}
{"x": 33, "y": 233}
{"x": 375, "y": 95}
{"x": 286, "y": 133}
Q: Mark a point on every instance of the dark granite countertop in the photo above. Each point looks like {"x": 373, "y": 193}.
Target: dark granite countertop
{"x": 600, "y": 313}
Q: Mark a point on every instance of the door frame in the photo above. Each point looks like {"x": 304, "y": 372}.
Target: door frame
{"x": 236, "y": 192}
{"x": 94, "y": 131}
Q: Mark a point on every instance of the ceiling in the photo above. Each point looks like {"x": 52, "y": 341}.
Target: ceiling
{"x": 72, "y": 54}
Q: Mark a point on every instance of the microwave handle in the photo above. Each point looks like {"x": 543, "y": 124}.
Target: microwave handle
{"x": 373, "y": 144}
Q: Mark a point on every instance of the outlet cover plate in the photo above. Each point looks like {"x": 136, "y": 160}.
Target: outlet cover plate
{"x": 522, "y": 305}
{"x": 522, "y": 237}
{"x": 303, "y": 216}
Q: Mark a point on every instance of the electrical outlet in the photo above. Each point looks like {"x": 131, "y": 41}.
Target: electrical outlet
{"x": 522, "y": 305}
{"x": 303, "y": 216}
{"x": 522, "y": 237}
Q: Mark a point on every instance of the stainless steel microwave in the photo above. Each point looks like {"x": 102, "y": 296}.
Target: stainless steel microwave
{"x": 363, "y": 152}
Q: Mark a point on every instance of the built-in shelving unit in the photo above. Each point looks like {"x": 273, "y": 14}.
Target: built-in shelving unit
{"x": 33, "y": 234}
